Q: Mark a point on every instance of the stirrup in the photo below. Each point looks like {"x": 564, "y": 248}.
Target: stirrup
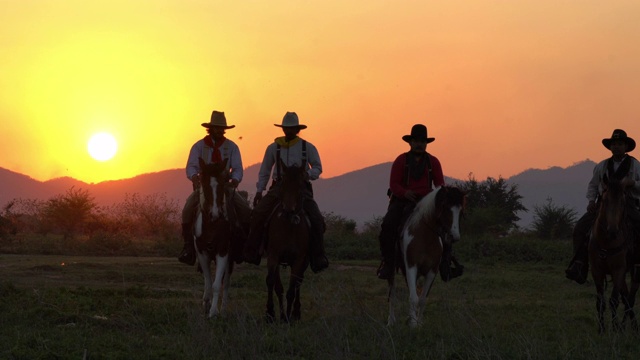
{"x": 385, "y": 271}
{"x": 319, "y": 263}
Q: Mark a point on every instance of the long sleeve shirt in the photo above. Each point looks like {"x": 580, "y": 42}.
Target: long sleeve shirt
{"x": 228, "y": 150}
{"x": 421, "y": 186}
{"x": 291, "y": 155}
{"x": 595, "y": 185}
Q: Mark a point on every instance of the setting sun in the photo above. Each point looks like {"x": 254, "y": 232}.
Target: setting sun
{"x": 102, "y": 146}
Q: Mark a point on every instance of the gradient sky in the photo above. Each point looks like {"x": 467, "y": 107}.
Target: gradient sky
{"x": 503, "y": 86}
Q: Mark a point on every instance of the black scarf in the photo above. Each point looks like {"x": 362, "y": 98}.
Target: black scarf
{"x": 416, "y": 166}
{"x": 623, "y": 169}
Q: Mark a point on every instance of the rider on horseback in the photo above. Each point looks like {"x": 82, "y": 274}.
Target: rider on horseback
{"x": 291, "y": 150}
{"x": 618, "y": 167}
{"x": 213, "y": 148}
{"x": 413, "y": 175}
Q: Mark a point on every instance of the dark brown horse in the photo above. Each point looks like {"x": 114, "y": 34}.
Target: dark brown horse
{"x": 213, "y": 236}
{"x": 288, "y": 244}
{"x": 434, "y": 220}
{"x": 609, "y": 251}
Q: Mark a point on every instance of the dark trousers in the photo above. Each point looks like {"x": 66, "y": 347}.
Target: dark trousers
{"x": 397, "y": 213}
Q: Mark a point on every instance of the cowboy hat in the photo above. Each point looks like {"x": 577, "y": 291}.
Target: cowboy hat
{"x": 418, "y": 132}
{"x": 290, "y": 119}
{"x": 619, "y": 135}
{"x": 218, "y": 120}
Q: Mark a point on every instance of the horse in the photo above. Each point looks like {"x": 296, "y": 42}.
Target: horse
{"x": 213, "y": 236}
{"x": 288, "y": 244}
{"x": 434, "y": 220}
{"x": 609, "y": 252}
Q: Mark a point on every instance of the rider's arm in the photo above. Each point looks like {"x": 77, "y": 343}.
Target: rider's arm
{"x": 396, "y": 177}
{"x": 236, "y": 164}
{"x": 265, "y": 168}
{"x": 436, "y": 172}
{"x": 193, "y": 167}
{"x": 314, "y": 161}
{"x": 593, "y": 188}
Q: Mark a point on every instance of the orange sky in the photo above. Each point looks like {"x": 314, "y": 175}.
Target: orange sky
{"x": 503, "y": 86}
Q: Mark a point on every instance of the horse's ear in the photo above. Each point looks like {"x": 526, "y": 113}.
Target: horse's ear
{"x": 605, "y": 180}
{"x": 224, "y": 162}
{"x": 201, "y": 162}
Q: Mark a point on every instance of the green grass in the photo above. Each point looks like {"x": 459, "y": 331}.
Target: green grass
{"x": 504, "y": 307}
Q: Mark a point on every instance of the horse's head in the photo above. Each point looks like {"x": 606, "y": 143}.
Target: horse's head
{"x": 612, "y": 204}
{"x": 213, "y": 179}
{"x": 293, "y": 182}
{"x": 450, "y": 203}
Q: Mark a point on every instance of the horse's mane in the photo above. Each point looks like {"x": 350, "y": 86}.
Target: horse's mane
{"x": 425, "y": 208}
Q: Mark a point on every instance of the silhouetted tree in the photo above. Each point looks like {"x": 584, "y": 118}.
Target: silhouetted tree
{"x": 553, "y": 222}
{"x": 67, "y": 212}
{"x": 492, "y": 206}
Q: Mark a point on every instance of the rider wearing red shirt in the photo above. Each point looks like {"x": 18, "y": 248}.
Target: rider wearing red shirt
{"x": 413, "y": 175}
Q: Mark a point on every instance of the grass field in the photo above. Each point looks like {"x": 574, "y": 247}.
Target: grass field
{"x": 70, "y": 307}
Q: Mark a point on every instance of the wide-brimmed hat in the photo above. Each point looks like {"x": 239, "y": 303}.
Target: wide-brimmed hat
{"x": 290, "y": 119}
{"x": 418, "y": 132}
{"x": 218, "y": 120}
{"x": 619, "y": 135}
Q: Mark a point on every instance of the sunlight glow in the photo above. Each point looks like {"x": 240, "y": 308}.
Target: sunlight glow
{"x": 102, "y": 146}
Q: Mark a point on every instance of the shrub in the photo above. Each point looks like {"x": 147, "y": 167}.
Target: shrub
{"x": 492, "y": 206}
{"x": 552, "y": 221}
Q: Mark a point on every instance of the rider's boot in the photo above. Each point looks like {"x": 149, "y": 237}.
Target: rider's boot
{"x": 251, "y": 252}
{"x": 386, "y": 269}
{"x": 188, "y": 254}
{"x": 578, "y": 269}
{"x": 318, "y": 259}
{"x": 446, "y": 271}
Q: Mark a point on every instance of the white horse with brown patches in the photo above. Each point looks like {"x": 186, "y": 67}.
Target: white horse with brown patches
{"x": 213, "y": 237}
{"x": 434, "y": 220}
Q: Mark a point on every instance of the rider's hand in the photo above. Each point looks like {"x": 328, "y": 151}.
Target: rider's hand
{"x": 233, "y": 183}
{"x": 411, "y": 196}
{"x": 592, "y": 207}
{"x": 257, "y": 198}
{"x": 195, "y": 180}
{"x": 628, "y": 182}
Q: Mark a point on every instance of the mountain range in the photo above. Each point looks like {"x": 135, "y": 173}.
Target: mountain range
{"x": 359, "y": 195}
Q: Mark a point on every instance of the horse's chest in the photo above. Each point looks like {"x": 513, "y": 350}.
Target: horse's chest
{"x": 423, "y": 248}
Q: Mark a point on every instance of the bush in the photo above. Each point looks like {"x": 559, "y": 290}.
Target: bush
{"x": 343, "y": 242}
{"x": 492, "y": 206}
{"x": 553, "y": 222}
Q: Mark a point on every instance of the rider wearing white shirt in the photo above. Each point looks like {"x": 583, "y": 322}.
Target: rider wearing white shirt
{"x": 292, "y": 151}
{"x": 213, "y": 148}
{"x": 619, "y": 167}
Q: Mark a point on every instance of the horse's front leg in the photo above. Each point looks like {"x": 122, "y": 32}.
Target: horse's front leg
{"x": 270, "y": 284}
{"x": 205, "y": 266}
{"x": 221, "y": 267}
{"x": 614, "y": 300}
{"x": 226, "y": 285}
{"x": 412, "y": 278}
{"x": 598, "y": 280}
{"x": 392, "y": 294}
{"x": 426, "y": 287}
{"x": 293, "y": 295}
{"x": 631, "y": 300}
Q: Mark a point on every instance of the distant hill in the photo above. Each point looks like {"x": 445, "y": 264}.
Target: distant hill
{"x": 564, "y": 186}
{"x": 359, "y": 195}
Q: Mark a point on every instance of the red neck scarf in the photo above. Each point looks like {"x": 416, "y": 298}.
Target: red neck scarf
{"x": 216, "y": 157}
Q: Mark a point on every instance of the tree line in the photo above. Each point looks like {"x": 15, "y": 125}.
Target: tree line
{"x": 492, "y": 209}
